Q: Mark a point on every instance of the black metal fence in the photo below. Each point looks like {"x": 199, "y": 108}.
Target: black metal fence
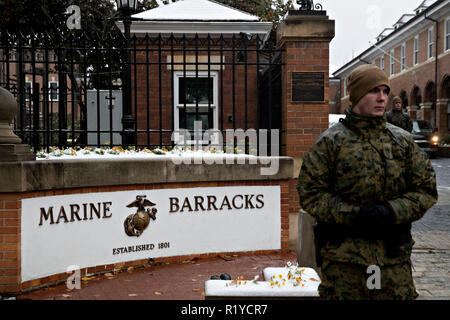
{"x": 70, "y": 91}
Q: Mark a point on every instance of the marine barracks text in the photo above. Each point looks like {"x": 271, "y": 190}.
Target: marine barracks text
{"x": 102, "y": 210}
{"x": 208, "y": 203}
{"x": 87, "y": 211}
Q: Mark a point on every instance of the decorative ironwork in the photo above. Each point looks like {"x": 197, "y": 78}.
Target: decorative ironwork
{"x": 73, "y": 110}
{"x": 308, "y": 5}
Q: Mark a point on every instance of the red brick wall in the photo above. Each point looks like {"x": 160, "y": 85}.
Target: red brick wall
{"x": 304, "y": 122}
{"x": 10, "y": 208}
{"x": 10, "y": 221}
{"x": 335, "y": 103}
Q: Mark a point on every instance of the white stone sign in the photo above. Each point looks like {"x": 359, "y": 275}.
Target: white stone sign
{"x": 92, "y": 229}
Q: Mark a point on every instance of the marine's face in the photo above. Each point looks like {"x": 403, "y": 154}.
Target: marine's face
{"x": 398, "y": 106}
{"x": 373, "y": 104}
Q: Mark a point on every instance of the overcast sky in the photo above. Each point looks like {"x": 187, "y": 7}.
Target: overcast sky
{"x": 360, "y": 21}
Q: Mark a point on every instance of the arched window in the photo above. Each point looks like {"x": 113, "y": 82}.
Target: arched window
{"x": 404, "y": 98}
{"x": 430, "y": 92}
{"x": 445, "y": 94}
{"x": 416, "y": 97}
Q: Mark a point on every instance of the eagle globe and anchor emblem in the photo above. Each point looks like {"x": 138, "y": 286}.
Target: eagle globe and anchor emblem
{"x": 136, "y": 223}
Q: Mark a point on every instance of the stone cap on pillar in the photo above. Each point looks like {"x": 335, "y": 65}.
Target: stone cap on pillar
{"x": 426, "y": 105}
{"x": 299, "y": 26}
{"x": 11, "y": 147}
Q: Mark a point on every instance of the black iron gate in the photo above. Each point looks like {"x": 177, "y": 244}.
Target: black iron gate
{"x": 229, "y": 82}
{"x": 270, "y": 111}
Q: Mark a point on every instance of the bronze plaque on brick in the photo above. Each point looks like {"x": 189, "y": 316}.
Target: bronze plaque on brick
{"x": 308, "y": 86}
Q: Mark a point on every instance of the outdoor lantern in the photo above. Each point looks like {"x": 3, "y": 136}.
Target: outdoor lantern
{"x": 127, "y": 5}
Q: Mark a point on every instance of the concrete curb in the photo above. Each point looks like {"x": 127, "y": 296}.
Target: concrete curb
{"x": 64, "y": 174}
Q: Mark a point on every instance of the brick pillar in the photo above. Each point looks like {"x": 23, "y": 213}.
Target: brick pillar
{"x": 305, "y": 39}
{"x": 441, "y": 117}
{"x": 426, "y": 111}
{"x": 10, "y": 258}
{"x": 412, "y": 111}
{"x": 305, "y": 96}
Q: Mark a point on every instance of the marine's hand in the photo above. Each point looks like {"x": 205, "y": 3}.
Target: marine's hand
{"x": 375, "y": 214}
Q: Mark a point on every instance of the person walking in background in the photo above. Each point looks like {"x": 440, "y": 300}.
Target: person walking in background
{"x": 365, "y": 181}
{"x": 397, "y": 117}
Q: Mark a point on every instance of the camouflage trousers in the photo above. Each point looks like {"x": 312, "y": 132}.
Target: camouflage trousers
{"x": 346, "y": 281}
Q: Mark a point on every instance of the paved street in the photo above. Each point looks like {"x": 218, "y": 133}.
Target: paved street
{"x": 431, "y": 252}
{"x": 442, "y": 167}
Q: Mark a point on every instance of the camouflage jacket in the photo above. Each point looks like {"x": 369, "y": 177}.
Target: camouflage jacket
{"x": 364, "y": 162}
{"x": 400, "y": 119}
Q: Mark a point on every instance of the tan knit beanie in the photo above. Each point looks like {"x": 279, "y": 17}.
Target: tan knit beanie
{"x": 395, "y": 100}
{"x": 363, "y": 79}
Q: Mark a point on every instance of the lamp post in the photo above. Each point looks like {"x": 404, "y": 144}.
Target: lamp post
{"x": 127, "y": 7}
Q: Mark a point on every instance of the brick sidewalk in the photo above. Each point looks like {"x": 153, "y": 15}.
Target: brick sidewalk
{"x": 183, "y": 281}
{"x": 431, "y": 252}
{"x": 186, "y": 281}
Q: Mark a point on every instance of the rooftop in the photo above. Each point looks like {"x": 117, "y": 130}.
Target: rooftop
{"x": 425, "y": 4}
{"x": 407, "y": 24}
{"x": 403, "y": 19}
{"x": 197, "y": 17}
{"x": 196, "y": 10}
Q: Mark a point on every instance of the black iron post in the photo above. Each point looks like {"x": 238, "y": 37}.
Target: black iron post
{"x": 128, "y": 121}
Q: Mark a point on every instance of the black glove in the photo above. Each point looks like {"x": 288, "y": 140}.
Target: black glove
{"x": 377, "y": 214}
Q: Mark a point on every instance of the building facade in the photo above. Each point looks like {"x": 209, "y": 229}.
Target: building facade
{"x": 415, "y": 54}
{"x": 194, "y": 61}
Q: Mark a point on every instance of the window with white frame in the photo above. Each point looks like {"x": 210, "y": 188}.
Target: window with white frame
{"x": 430, "y": 43}
{"x": 447, "y": 34}
{"x": 403, "y": 56}
{"x": 195, "y": 99}
{"x": 391, "y": 62}
{"x": 382, "y": 62}
{"x": 416, "y": 50}
{"x": 53, "y": 91}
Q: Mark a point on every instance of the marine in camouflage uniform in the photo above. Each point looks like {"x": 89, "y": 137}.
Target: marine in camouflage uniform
{"x": 397, "y": 117}
{"x": 366, "y": 181}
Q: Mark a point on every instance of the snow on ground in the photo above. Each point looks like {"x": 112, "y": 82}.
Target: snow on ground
{"x": 334, "y": 118}
{"x": 119, "y": 153}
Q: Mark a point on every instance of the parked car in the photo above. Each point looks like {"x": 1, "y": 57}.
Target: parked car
{"x": 425, "y": 136}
